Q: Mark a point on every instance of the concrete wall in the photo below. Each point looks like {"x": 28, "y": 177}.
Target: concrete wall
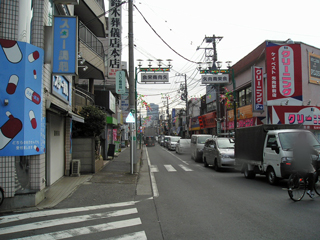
{"x": 83, "y": 149}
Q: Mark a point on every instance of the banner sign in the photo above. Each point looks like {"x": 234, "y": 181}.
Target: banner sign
{"x": 284, "y": 77}
{"x": 208, "y": 120}
{"x": 314, "y": 68}
{"x": 120, "y": 82}
{"x": 307, "y": 116}
{"x": 114, "y": 40}
{"x": 22, "y": 127}
{"x": 214, "y": 78}
{"x": 65, "y": 42}
{"x": 155, "y": 77}
{"x": 257, "y": 87}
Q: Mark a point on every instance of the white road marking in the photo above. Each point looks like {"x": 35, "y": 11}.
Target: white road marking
{"x": 176, "y": 157}
{"x": 22, "y": 216}
{"x": 64, "y": 221}
{"x": 154, "y": 168}
{"x": 185, "y": 168}
{"x": 170, "y": 168}
{"x": 131, "y": 236}
{"x": 153, "y": 179}
{"x": 86, "y": 230}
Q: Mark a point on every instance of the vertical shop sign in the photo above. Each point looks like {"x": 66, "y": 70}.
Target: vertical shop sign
{"x": 114, "y": 42}
{"x": 284, "y": 77}
{"x": 65, "y": 32}
{"x": 257, "y": 83}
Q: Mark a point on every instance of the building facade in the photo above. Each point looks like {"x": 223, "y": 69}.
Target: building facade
{"x": 52, "y": 86}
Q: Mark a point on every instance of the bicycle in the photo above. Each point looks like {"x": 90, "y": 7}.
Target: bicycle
{"x": 298, "y": 184}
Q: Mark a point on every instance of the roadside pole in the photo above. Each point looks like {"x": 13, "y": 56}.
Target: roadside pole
{"x": 132, "y": 90}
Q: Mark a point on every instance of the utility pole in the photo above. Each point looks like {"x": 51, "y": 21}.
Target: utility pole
{"x": 211, "y": 54}
{"x": 132, "y": 100}
{"x": 184, "y": 96}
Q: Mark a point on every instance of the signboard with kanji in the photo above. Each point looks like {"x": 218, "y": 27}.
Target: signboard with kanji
{"x": 155, "y": 77}
{"x": 114, "y": 41}
{"x": 214, "y": 78}
{"x": 257, "y": 87}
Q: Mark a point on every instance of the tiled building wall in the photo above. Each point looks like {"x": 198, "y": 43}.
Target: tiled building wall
{"x": 7, "y": 175}
{"x": 9, "y": 13}
{"x": 9, "y": 10}
{"x": 68, "y": 154}
{"x": 37, "y": 162}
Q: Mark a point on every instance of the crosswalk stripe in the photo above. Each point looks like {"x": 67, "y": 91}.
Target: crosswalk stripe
{"x": 170, "y": 168}
{"x": 18, "y": 217}
{"x": 85, "y": 230}
{"x": 185, "y": 168}
{"x": 63, "y": 221}
{"x": 154, "y": 168}
{"x": 131, "y": 236}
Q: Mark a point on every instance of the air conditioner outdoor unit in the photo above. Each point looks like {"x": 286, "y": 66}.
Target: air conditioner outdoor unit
{"x": 75, "y": 167}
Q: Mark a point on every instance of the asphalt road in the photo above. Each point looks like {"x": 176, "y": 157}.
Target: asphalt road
{"x": 188, "y": 201}
{"x": 195, "y": 202}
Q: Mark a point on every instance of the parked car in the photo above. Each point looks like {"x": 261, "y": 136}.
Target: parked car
{"x": 165, "y": 141}
{"x": 197, "y": 144}
{"x": 172, "y": 142}
{"x": 219, "y": 152}
{"x": 183, "y": 146}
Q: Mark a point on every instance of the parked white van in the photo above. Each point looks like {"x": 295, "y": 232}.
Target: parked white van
{"x": 197, "y": 144}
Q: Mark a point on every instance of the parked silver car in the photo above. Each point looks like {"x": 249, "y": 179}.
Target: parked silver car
{"x": 197, "y": 144}
{"x": 219, "y": 152}
{"x": 172, "y": 142}
{"x": 183, "y": 146}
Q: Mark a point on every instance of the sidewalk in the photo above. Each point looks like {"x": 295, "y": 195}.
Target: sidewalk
{"x": 114, "y": 172}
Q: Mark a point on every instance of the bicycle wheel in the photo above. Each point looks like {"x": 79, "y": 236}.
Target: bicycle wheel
{"x": 317, "y": 183}
{"x": 296, "y": 187}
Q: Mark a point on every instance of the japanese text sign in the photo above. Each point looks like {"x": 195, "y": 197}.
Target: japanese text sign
{"x": 257, "y": 86}
{"x": 61, "y": 88}
{"x": 307, "y": 116}
{"x": 155, "y": 77}
{"x": 214, "y": 78}
{"x": 114, "y": 41}
{"x": 65, "y": 50}
{"x": 120, "y": 82}
{"x": 284, "y": 72}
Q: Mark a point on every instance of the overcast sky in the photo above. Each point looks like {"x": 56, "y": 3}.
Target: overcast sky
{"x": 183, "y": 25}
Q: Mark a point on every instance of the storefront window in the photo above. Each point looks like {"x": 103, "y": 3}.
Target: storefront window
{"x": 248, "y": 96}
{"x": 242, "y": 98}
{"x": 245, "y": 96}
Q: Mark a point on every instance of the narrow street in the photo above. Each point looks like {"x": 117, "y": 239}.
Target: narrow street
{"x": 190, "y": 202}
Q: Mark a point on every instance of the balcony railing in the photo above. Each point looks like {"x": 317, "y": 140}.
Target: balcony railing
{"x": 82, "y": 98}
{"x": 88, "y": 38}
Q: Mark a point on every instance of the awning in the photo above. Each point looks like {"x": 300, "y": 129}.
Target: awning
{"x": 76, "y": 117}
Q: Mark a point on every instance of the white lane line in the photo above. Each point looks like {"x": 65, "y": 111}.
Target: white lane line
{"x": 131, "y": 236}
{"x": 154, "y": 168}
{"x": 64, "y": 221}
{"x": 177, "y": 157}
{"x": 153, "y": 179}
{"x": 86, "y": 230}
{"x": 170, "y": 168}
{"x": 22, "y": 216}
{"x": 185, "y": 168}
